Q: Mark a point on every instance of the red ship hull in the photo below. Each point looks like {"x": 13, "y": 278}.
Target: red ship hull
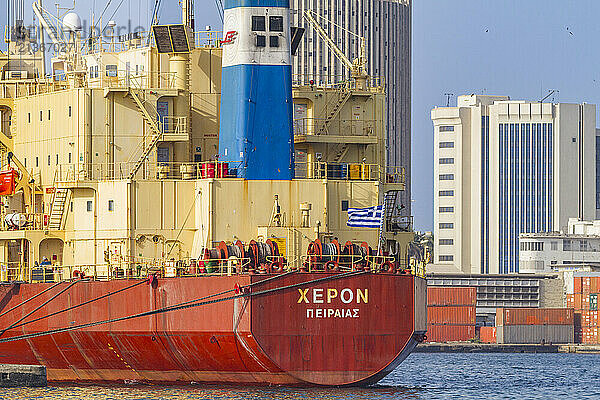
{"x": 344, "y": 330}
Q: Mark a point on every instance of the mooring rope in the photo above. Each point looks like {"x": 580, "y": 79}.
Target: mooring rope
{"x": 31, "y": 298}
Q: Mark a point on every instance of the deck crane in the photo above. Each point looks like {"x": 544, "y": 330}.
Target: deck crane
{"x": 358, "y": 66}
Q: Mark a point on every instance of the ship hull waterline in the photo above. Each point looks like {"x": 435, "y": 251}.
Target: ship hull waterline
{"x": 340, "y": 331}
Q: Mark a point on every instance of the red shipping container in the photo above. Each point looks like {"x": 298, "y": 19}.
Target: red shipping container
{"x": 451, "y": 315}
{"x": 578, "y": 305}
{"x": 487, "y": 334}
{"x": 577, "y": 284}
{"x": 451, "y": 296}
{"x": 585, "y": 285}
{"x": 534, "y": 316}
{"x": 570, "y": 301}
{"x": 450, "y": 333}
{"x": 594, "y": 284}
{"x": 590, "y": 335}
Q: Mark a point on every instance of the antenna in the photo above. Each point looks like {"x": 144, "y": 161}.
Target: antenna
{"x": 551, "y": 92}
{"x": 448, "y": 97}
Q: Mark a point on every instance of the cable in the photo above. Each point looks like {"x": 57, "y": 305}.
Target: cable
{"x": 181, "y": 306}
{"x": 81, "y": 304}
{"x": 31, "y": 298}
{"x": 40, "y": 306}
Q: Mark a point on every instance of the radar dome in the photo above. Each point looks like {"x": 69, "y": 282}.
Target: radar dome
{"x": 72, "y": 22}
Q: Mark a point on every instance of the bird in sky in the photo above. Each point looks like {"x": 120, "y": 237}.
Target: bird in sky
{"x": 570, "y": 32}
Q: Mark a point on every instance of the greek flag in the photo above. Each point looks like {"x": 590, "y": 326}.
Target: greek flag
{"x": 370, "y": 217}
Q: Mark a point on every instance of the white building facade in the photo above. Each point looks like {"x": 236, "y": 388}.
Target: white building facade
{"x": 505, "y": 167}
{"x": 386, "y": 26}
{"x": 548, "y": 251}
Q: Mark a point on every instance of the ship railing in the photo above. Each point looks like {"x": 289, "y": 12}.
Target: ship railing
{"x": 359, "y": 262}
{"x": 117, "y": 43}
{"x": 349, "y": 171}
{"x": 114, "y": 78}
{"x": 340, "y": 82}
{"x": 337, "y": 127}
{"x": 24, "y": 221}
{"x": 208, "y": 38}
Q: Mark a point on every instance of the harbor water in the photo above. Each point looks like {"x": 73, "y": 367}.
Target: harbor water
{"x": 421, "y": 376}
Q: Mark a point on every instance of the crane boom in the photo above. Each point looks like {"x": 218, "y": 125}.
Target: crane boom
{"x": 358, "y": 66}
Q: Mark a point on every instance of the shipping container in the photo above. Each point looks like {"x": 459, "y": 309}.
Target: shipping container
{"x": 534, "y": 334}
{"x": 463, "y": 315}
{"x": 570, "y": 301}
{"x": 593, "y": 301}
{"x": 534, "y": 316}
{"x": 487, "y": 334}
{"x": 577, "y": 301}
{"x": 589, "y": 335}
{"x": 577, "y": 284}
{"x": 450, "y": 333}
{"x": 451, "y": 296}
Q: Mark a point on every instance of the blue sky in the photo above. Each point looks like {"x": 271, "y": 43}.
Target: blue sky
{"x": 507, "y": 47}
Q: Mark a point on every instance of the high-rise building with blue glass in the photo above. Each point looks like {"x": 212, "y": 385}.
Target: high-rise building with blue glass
{"x": 504, "y": 167}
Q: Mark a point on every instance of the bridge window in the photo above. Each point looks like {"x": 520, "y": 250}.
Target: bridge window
{"x": 111, "y": 205}
{"x": 258, "y": 23}
{"x": 261, "y": 41}
{"x": 89, "y": 206}
{"x": 273, "y": 41}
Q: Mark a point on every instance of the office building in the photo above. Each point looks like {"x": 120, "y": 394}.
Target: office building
{"x": 386, "y": 27}
{"x": 505, "y": 167}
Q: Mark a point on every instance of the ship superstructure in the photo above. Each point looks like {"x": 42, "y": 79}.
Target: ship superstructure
{"x": 199, "y": 168}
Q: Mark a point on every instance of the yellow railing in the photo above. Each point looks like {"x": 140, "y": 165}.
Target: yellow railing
{"x": 343, "y": 82}
{"x": 143, "y": 268}
{"x": 339, "y": 127}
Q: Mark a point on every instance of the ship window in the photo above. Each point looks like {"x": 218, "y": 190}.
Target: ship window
{"x": 111, "y": 205}
{"x": 69, "y": 158}
{"x": 276, "y": 24}
{"x": 273, "y": 41}
{"x": 258, "y": 23}
{"x": 25, "y": 161}
{"x": 57, "y": 159}
{"x": 70, "y": 111}
{"x": 37, "y": 162}
{"x": 261, "y": 41}
{"x": 29, "y": 117}
{"x": 48, "y": 115}
{"x": 111, "y": 70}
{"x": 41, "y": 115}
{"x": 345, "y": 205}
{"x": 71, "y": 206}
{"x": 48, "y": 159}
{"x": 89, "y": 205}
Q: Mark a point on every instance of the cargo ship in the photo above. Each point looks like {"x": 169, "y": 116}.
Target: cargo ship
{"x": 177, "y": 207}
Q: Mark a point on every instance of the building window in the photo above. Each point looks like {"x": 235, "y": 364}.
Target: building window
{"x": 446, "y": 209}
{"x": 446, "y": 177}
{"x": 89, "y": 206}
{"x": 446, "y": 225}
{"x": 446, "y": 192}
{"x": 446, "y": 128}
{"x": 583, "y": 245}
{"x": 566, "y": 245}
{"x": 446, "y": 160}
{"x": 554, "y": 245}
{"x": 446, "y": 242}
{"x": 446, "y": 145}
{"x": 446, "y": 258}
{"x": 261, "y": 41}
{"x": 276, "y": 24}
{"x": 111, "y": 205}
{"x": 258, "y": 23}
